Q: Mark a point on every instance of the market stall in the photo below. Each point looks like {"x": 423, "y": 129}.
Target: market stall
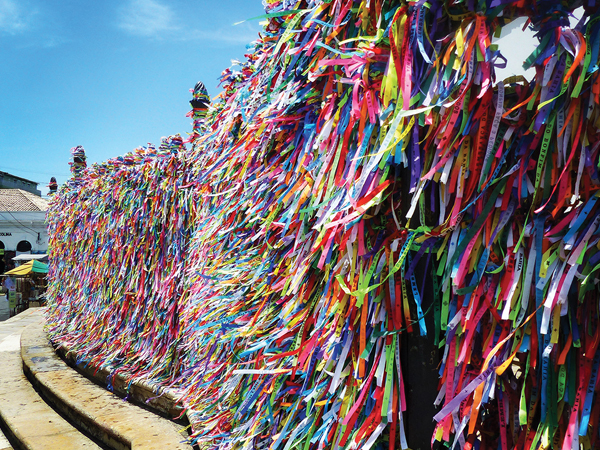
{"x": 26, "y": 285}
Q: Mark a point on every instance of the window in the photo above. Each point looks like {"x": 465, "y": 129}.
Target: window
{"x": 24, "y": 246}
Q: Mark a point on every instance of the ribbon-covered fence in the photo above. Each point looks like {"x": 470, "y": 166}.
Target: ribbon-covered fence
{"x": 363, "y": 156}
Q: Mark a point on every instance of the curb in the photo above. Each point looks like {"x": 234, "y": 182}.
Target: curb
{"x": 140, "y": 393}
{"x": 25, "y": 419}
{"x": 102, "y": 414}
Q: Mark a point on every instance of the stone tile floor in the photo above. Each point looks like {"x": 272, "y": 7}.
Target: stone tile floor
{"x": 10, "y": 337}
{"x": 10, "y": 330}
{"x": 4, "y": 444}
{"x": 4, "y": 311}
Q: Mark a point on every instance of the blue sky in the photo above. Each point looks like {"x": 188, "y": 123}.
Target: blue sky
{"x": 108, "y": 75}
{"x": 112, "y": 75}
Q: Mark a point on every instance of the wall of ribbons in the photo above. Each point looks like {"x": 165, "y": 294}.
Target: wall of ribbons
{"x": 363, "y": 178}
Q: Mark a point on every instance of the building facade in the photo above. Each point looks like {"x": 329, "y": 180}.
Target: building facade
{"x": 22, "y": 225}
{"x": 23, "y": 232}
{"x": 8, "y": 181}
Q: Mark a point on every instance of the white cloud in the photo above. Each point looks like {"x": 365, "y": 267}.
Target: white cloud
{"x": 153, "y": 19}
{"x": 14, "y": 18}
{"x": 239, "y": 34}
{"x": 147, "y": 18}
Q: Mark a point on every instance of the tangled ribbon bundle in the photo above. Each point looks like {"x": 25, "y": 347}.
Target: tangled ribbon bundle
{"x": 79, "y": 161}
{"x": 363, "y": 156}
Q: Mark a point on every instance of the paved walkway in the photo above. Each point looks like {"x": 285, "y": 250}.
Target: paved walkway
{"x": 10, "y": 336}
{"x": 4, "y": 311}
{"x": 27, "y": 360}
{"x": 10, "y": 330}
{"x": 4, "y": 444}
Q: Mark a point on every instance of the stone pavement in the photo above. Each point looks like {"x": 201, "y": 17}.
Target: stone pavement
{"x": 4, "y": 444}
{"x": 10, "y": 336}
{"x": 4, "y": 311}
{"x": 91, "y": 418}
{"x": 111, "y": 420}
{"x": 10, "y": 330}
{"x": 27, "y": 419}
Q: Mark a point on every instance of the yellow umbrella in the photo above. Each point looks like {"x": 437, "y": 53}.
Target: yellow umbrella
{"x": 29, "y": 267}
{"x": 23, "y": 269}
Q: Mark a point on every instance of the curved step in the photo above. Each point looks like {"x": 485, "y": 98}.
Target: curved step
{"x": 30, "y": 422}
{"x": 157, "y": 399}
{"x": 102, "y": 414}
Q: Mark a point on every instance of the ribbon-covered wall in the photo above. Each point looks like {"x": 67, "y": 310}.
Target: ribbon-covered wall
{"x": 363, "y": 156}
{"x": 118, "y": 238}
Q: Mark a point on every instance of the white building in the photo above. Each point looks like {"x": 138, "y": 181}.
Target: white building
{"x": 22, "y": 223}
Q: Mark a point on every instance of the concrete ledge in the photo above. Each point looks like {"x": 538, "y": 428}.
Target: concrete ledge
{"x": 155, "y": 398}
{"x": 102, "y": 414}
{"x": 29, "y": 422}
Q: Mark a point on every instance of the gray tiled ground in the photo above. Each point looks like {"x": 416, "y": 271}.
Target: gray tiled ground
{"x": 4, "y": 311}
{"x": 10, "y": 330}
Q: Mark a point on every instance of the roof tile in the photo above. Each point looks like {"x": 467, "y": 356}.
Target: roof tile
{"x": 20, "y": 200}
